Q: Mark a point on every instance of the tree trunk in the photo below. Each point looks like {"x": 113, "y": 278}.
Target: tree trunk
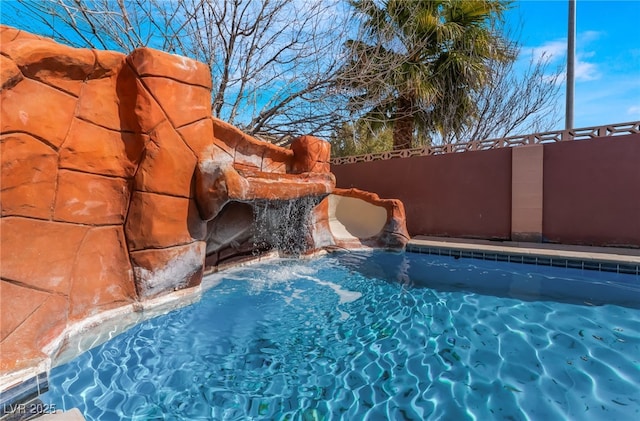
{"x": 404, "y": 125}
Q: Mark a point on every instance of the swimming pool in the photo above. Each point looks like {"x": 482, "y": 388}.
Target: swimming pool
{"x": 375, "y": 335}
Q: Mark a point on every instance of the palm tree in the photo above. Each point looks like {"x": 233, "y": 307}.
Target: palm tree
{"x": 416, "y": 63}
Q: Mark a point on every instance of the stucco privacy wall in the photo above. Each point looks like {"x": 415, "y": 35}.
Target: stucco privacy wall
{"x": 119, "y": 187}
{"x": 457, "y": 195}
{"x": 572, "y": 192}
{"x": 592, "y": 192}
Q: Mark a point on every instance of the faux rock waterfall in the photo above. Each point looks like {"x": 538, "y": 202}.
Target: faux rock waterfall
{"x": 118, "y": 186}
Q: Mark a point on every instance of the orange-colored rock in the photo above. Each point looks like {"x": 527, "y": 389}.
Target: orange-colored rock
{"x": 310, "y": 154}
{"x": 321, "y": 235}
{"x": 102, "y": 277}
{"x": 54, "y": 64}
{"x": 168, "y": 163}
{"x": 148, "y": 62}
{"x": 90, "y": 199}
{"x": 227, "y": 136}
{"x": 35, "y": 108}
{"x": 361, "y": 219}
{"x": 116, "y": 180}
{"x": 95, "y": 149}
{"x": 198, "y": 136}
{"x": 164, "y": 270}
{"x": 110, "y": 94}
{"x": 10, "y": 75}
{"x": 28, "y": 176}
{"x": 23, "y": 302}
{"x": 249, "y": 155}
{"x": 212, "y": 185}
{"x": 274, "y": 159}
{"x": 265, "y": 157}
{"x": 218, "y": 184}
{"x": 22, "y": 347}
{"x": 39, "y": 254}
{"x": 175, "y": 98}
{"x": 274, "y": 186}
{"x": 159, "y": 221}
{"x": 249, "y": 152}
{"x": 9, "y": 34}
{"x": 108, "y": 64}
{"x": 148, "y": 112}
{"x": 272, "y": 163}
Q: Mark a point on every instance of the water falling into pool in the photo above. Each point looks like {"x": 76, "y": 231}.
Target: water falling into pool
{"x": 283, "y": 225}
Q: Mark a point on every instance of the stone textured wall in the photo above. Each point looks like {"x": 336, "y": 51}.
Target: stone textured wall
{"x": 69, "y": 157}
{"x": 99, "y": 157}
{"x": 393, "y": 235}
{"x": 118, "y": 186}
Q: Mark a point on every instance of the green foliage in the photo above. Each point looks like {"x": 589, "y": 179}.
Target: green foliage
{"x": 359, "y": 139}
{"x": 416, "y": 63}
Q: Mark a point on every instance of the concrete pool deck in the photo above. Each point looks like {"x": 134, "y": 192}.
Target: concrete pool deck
{"x": 610, "y": 259}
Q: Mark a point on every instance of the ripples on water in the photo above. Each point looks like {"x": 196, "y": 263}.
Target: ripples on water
{"x": 361, "y": 336}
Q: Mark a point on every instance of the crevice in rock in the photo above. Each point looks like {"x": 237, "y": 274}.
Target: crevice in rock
{"x": 55, "y": 221}
{"x": 162, "y": 194}
{"x": 25, "y": 320}
{"x": 57, "y": 88}
{"x": 105, "y": 127}
{"x": 182, "y": 82}
{"x": 164, "y": 112}
{"x": 35, "y": 288}
{"x": 38, "y": 138}
{"x": 94, "y": 173}
{"x": 192, "y": 122}
{"x": 75, "y": 263}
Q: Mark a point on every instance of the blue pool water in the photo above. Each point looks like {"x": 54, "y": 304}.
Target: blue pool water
{"x": 376, "y": 336}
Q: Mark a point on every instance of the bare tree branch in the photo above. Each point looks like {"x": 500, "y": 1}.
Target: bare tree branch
{"x": 268, "y": 58}
{"x": 440, "y": 72}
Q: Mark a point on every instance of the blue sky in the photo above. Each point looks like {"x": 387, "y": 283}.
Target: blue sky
{"x": 608, "y": 53}
{"x": 607, "y": 86}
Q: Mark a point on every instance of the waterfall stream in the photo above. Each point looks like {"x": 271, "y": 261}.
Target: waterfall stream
{"x": 283, "y": 224}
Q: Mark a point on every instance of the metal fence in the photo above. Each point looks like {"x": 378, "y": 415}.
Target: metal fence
{"x": 506, "y": 142}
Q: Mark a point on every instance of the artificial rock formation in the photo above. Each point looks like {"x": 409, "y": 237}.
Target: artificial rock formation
{"x": 352, "y": 218}
{"x": 119, "y": 186}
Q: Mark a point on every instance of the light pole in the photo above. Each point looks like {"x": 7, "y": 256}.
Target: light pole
{"x": 571, "y": 56}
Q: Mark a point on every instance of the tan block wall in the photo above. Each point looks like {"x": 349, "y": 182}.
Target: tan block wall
{"x": 526, "y": 193}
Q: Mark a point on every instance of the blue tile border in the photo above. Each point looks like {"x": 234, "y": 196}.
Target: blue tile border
{"x": 515, "y": 257}
{"x": 23, "y": 392}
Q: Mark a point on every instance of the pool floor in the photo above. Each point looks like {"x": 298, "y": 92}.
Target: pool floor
{"x": 375, "y": 335}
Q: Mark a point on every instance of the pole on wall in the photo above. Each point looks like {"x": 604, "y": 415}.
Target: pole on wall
{"x": 571, "y": 55}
